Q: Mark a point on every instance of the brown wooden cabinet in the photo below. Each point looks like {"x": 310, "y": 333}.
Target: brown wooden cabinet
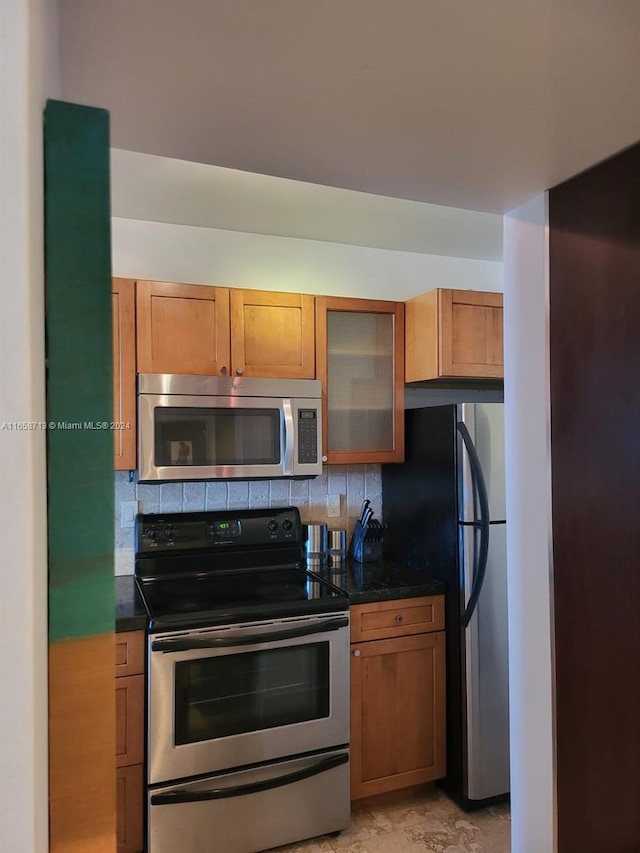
{"x": 124, "y": 372}
{"x": 360, "y": 361}
{"x": 182, "y": 328}
{"x": 397, "y": 694}
{"x": 454, "y": 334}
{"x": 197, "y": 329}
{"x": 129, "y": 740}
{"x": 272, "y": 334}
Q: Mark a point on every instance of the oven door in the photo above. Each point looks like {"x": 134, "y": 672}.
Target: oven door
{"x": 226, "y": 697}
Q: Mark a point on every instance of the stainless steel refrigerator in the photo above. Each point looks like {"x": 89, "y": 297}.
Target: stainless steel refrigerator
{"x": 445, "y": 510}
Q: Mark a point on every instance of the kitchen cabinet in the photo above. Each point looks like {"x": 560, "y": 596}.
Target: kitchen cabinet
{"x": 272, "y": 334}
{"x": 397, "y": 694}
{"x": 454, "y": 334}
{"x": 124, "y": 372}
{"x": 360, "y": 362}
{"x": 182, "y": 328}
{"x": 197, "y": 329}
{"x": 129, "y": 740}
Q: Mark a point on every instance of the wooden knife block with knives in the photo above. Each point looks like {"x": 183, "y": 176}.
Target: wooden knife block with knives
{"x": 367, "y": 536}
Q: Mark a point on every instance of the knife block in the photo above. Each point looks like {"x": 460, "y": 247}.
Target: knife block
{"x": 362, "y": 548}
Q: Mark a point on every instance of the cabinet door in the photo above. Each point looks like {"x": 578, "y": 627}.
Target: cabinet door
{"x": 130, "y": 805}
{"x": 397, "y": 713}
{"x": 272, "y": 334}
{"x": 129, "y": 720}
{"x": 360, "y": 361}
{"x": 129, "y": 653}
{"x": 470, "y": 334}
{"x": 182, "y": 328}
{"x": 124, "y": 372}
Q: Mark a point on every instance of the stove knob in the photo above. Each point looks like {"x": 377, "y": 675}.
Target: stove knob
{"x": 151, "y": 534}
{"x": 169, "y": 535}
{"x": 273, "y": 525}
{"x": 286, "y": 524}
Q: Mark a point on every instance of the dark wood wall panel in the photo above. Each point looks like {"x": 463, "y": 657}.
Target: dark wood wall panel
{"x": 594, "y": 247}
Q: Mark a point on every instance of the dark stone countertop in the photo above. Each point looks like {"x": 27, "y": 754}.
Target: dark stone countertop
{"x": 130, "y": 612}
{"x": 384, "y": 580}
{"x": 381, "y": 581}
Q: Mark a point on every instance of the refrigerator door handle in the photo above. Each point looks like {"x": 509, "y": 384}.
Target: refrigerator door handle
{"x": 482, "y": 524}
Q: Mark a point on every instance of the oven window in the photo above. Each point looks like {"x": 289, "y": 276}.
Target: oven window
{"x": 228, "y": 695}
{"x": 216, "y": 436}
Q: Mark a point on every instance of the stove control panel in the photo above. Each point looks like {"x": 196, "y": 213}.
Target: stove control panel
{"x": 227, "y": 529}
{"x": 157, "y": 535}
{"x": 199, "y": 531}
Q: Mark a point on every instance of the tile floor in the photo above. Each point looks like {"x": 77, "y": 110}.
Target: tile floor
{"x": 409, "y": 823}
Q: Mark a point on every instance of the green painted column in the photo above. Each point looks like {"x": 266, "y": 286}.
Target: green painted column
{"x": 79, "y": 370}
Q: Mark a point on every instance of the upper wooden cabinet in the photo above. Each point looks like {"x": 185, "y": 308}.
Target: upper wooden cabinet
{"x": 182, "y": 328}
{"x": 124, "y": 373}
{"x": 455, "y": 334}
{"x": 360, "y": 361}
{"x": 272, "y": 334}
{"x": 186, "y": 328}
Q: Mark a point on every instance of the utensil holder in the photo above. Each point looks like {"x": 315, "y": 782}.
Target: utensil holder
{"x": 363, "y": 547}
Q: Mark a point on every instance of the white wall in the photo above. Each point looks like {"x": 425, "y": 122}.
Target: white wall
{"x": 28, "y": 72}
{"x": 526, "y": 392}
{"x": 166, "y": 252}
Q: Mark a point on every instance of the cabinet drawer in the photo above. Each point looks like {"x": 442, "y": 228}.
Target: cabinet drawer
{"x": 130, "y": 653}
{"x": 129, "y": 801}
{"x": 129, "y": 720}
{"x": 399, "y": 618}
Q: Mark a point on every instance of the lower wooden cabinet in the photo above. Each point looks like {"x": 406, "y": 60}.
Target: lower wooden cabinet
{"x": 397, "y": 699}
{"x": 129, "y": 802}
{"x": 129, "y": 685}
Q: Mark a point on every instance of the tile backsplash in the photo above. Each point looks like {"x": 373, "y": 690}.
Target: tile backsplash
{"x": 352, "y": 482}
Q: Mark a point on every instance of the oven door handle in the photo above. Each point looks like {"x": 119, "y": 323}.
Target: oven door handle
{"x": 185, "y": 796}
{"x": 186, "y": 644}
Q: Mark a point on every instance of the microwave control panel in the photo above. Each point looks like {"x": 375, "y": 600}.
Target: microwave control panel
{"x": 307, "y": 436}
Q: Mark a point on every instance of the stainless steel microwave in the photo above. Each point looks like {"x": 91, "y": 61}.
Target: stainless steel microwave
{"x": 221, "y": 428}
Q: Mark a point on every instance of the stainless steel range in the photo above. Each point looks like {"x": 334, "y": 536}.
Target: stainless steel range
{"x": 248, "y": 692}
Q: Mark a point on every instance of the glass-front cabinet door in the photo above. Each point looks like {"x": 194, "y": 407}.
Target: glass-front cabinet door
{"x": 360, "y": 361}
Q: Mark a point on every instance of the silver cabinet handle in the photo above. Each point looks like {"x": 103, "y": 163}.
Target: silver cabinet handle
{"x": 223, "y": 369}
{"x": 324, "y": 458}
{"x": 356, "y": 653}
{"x": 399, "y": 619}
{"x": 239, "y": 371}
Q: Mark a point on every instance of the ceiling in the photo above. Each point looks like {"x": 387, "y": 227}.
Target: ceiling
{"x": 161, "y": 189}
{"x": 478, "y": 105}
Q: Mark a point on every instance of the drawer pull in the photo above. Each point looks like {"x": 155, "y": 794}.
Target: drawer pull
{"x": 356, "y": 653}
{"x": 399, "y": 619}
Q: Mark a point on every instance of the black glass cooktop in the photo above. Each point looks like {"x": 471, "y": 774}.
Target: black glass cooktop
{"x": 224, "y": 598}
{"x": 218, "y": 568}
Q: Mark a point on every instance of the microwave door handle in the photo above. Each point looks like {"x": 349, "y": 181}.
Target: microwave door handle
{"x": 186, "y": 644}
{"x": 185, "y": 796}
{"x": 288, "y": 437}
